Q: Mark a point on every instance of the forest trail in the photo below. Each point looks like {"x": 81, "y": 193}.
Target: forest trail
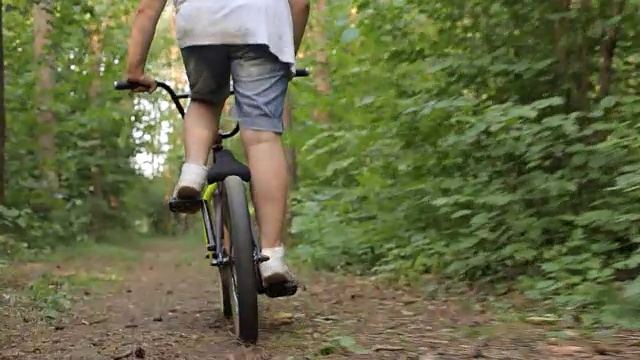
{"x": 164, "y": 305}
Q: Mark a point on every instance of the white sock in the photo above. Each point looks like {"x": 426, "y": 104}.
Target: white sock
{"x": 274, "y": 252}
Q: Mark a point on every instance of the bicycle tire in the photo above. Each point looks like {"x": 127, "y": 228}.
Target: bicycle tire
{"x": 243, "y": 273}
{"x": 225, "y": 292}
{"x": 225, "y": 276}
{"x": 225, "y": 273}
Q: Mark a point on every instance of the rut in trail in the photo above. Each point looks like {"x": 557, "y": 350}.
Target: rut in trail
{"x": 166, "y": 307}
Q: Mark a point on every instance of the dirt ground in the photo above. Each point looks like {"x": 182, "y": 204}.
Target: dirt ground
{"x": 165, "y": 306}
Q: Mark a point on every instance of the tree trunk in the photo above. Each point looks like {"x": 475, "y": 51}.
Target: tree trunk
{"x": 607, "y": 50}
{"x": 322, "y": 71}
{"x": 290, "y": 155}
{"x": 3, "y": 122}
{"x": 95, "y": 43}
{"x": 44, "y": 88}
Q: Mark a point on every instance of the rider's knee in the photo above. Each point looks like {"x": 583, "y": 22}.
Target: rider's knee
{"x": 251, "y": 137}
{"x": 205, "y": 107}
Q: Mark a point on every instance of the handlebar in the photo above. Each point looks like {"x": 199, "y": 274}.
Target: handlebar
{"x": 126, "y": 85}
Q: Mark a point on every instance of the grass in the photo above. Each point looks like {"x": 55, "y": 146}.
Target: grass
{"x": 50, "y": 282}
{"x": 118, "y": 247}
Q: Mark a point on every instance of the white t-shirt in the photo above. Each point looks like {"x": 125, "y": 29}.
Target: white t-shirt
{"x": 237, "y": 22}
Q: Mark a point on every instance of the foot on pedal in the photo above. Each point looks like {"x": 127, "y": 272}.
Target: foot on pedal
{"x": 188, "y": 206}
{"x": 281, "y": 289}
{"x": 187, "y": 194}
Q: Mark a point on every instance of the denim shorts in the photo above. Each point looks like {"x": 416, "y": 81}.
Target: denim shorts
{"x": 260, "y": 82}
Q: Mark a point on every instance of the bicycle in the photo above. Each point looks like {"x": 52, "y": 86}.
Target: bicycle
{"x": 237, "y": 255}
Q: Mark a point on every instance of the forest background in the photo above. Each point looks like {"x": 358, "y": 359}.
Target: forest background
{"x": 486, "y": 143}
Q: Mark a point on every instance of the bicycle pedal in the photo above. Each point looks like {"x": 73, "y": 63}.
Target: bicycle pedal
{"x": 177, "y": 205}
{"x": 284, "y": 289}
{"x": 262, "y": 258}
{"x": 224, "y": 261}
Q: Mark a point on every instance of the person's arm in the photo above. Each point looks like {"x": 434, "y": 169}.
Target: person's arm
{"x": 142, "y": 32}
{"x": 300, "y": 14}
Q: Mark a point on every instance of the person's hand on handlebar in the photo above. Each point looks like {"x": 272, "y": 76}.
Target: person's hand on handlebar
{"x": 144, "y": 82}
{"x": 144, "y": 23}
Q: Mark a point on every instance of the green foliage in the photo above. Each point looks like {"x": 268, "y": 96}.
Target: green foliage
{"x": 50, "y": 293}
{"x": 486, "y": 142}
{"x": 341, "y": 343}
{"x": 97, "y": 134}
{"x": 53, "y": 294}
{"x": 479, "y": 141}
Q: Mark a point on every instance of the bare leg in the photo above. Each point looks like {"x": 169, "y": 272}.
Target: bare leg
{"x": 269, "y": 183}
{"x": 200, "y": 129}
{"x": 300, "y": 13}
{"x": 260, "y": 83}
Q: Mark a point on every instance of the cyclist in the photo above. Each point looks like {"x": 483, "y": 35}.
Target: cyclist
{"x": 254, "y": 42}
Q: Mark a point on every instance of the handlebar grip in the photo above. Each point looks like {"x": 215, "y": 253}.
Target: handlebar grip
{"x": 302, "y": 72}
{"x": 123, "y": 85}
{"x": 126, "y": 85}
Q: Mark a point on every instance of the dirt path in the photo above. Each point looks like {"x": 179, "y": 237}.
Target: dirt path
{"x": 166, "y": 307}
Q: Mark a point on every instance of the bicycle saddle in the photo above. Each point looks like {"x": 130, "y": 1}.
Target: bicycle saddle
{"x": 227, "y": 165}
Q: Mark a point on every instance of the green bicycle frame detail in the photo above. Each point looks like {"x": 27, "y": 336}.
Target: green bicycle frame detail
{"x": 208, "y": 196}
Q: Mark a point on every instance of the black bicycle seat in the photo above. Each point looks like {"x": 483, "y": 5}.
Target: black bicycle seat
{"x": 227, "y": 165}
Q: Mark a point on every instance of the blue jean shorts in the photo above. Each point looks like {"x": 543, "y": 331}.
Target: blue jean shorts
{"x": 260, "y": 82}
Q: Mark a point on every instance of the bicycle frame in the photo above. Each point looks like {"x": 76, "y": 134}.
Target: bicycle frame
{"x": 216, "y": 252}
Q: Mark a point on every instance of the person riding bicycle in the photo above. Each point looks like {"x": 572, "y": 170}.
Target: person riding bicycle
{"x": 254, "y": 42}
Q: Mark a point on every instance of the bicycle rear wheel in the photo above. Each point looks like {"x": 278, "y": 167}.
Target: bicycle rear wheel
{"x": 225, "y": 292}
{"x": 243, "y": 284}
